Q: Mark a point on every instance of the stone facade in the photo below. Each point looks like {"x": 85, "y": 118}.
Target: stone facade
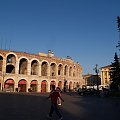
{"x": 23, "y": 72}
{"x": 105, "y": 77}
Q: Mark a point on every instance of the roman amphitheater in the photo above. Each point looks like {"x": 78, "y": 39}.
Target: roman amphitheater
{"x": 24, "y": 72}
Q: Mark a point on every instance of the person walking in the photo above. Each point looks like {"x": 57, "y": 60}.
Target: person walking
{"x": 59, "y": 100}
{"x": 54, "y": 107}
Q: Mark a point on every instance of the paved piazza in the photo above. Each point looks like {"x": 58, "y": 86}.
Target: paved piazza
{"x": 35, "y": 106}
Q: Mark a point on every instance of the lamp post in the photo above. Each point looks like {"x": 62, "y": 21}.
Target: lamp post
{"x": 97, "y": 71}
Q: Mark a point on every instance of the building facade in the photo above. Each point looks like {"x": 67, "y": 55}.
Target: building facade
{"x": 105, "y": 77}
{"x": 23, "y": 72}
{"x": 91, "y": 80}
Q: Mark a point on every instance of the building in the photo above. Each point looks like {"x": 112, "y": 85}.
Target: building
{"x": 23, "y": 72}
{"x": 91, "y": 80}
{"x": 105, "y": 77}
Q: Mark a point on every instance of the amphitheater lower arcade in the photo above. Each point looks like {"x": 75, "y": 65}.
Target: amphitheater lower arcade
{"x": 24, "y": 72}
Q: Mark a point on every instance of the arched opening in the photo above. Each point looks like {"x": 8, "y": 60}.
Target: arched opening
{"x": 70, "y": 71}
{"x": 65, "y": 70}
{"x": 74, "y": 86}
{"x": 60, "y": 85}
{"x": 53, "y": 69}
{"x": 23, "y": 66}
{"x": 9, "y": 85}
{"x": 10, "y": 69}
{"x": 60, "y": 69}
{"x": 34, "y": 67}
{"x": 74, "y": 74}
{"x": 77, "y": 85}
{"x": 11, "y": 59}
{"x": 70, "y": 86}
{"x": 52, "y": 83}
{"x": 44, "y": 69}
{"x": 22, "y": 85}
{"x": 74, "y": 71}
{"x": 33, "y": 86}
{"x": 44, "y": 86}
{"x": 1, "y": 63}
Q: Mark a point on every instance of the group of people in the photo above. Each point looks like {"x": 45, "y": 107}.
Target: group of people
{"x": 56, "y": 98}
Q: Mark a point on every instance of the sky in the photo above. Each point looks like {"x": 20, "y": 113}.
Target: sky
{"x": 85, "y": 30}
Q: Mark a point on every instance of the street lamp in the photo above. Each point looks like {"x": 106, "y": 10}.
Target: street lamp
{"x": 97, "y": 71}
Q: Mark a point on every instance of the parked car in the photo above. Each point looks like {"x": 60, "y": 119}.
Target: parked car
{"x": 90, "y": 91}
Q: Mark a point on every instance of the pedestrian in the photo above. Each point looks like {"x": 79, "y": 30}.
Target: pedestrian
{"x": 59, "y": 100}
{"x": 54, "y": 107}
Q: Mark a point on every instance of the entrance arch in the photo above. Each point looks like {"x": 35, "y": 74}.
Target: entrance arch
{"x": 22, "y": 85}
{"x": 52, "y": 83}
{"x": 9, "y": 85}
{"x": 44, "y": 86}
{"x": 70, "y": 86}
{"x": 33, "y": 86}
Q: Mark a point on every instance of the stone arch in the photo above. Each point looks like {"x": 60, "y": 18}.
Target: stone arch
{"x": 74, "y": 71}
{"x": 23, "y": 63}
{"x": 11, "y": 58}
{"x": 65, "y": 70}
{"x": 9, "y": 85}
{"x": 70, "y": 86}
{"x": 44, "y": 85}
{"x": 52, "y": 83}
{"x": 34, "y": 67}
{"x": 70, "y": 71}
{"x": 33, "y": 86}
{"x": 60, "y": 69}
{"x": 10, "y": 69}
{"x": 12, "y": 53}
{"x": 60, "y": 84}
{"x": 77, "y": 85}
{"x": 53, "y": 69}
{"x": 44, "y": 68}
{"x": 22, "y": 85}
{"x": 1, "y": 63}
{"x": 74, "y": 86}
{"x": 10, "y": 63}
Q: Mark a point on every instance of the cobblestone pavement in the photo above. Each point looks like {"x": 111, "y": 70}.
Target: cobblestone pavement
{"x": 35, "y": 106}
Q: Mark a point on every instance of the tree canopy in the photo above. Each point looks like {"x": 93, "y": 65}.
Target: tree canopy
{"x": 115, "y": 74}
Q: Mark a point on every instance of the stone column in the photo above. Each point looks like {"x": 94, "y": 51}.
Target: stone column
{"x": 29, "y": 68}
{"x": 39, "y": 70}
{"x": 39, "y": 86}
{"x": 17, "y": 67}
{"x": 27, "y": 86}
{"x": 48, "y": 86}
{"x": 16, "y": 84}
{"x": 48, "y": 70}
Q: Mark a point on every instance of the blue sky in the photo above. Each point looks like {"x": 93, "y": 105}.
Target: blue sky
{"x": 86, "y": 30}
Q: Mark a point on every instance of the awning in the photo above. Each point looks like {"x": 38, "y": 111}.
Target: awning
{"x": 34, "y": 82}
{"x": 10, "y": 82}
{"x": 22, "y": 82}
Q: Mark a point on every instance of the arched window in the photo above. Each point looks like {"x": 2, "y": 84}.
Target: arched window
{"x": 44, "y": 68}
{"x": 23, "y": 66}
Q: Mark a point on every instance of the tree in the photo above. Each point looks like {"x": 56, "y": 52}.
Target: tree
{"x": 115, "y": 74}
